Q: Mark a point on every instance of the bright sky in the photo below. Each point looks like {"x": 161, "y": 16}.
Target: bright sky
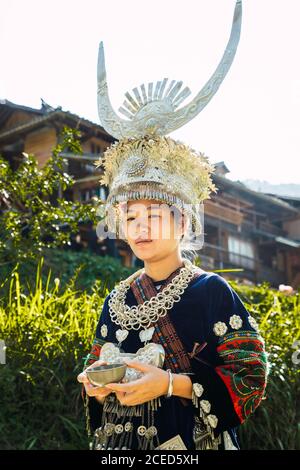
{"x": 49, "y": 49}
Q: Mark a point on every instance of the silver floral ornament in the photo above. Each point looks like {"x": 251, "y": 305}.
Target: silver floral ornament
{"x": 198, "y": 389}
{"x": 128, "y": 426}
{"x": 212, "y": 420}
{"x": 205, "y": 405}
{"x": 103, "y": 331}
{"x": 109, "y": 429}
{"x": 146, "y": 335}
{"x": 235, "y": 322}
{"x": 253, "y": 323}
{"x": 220, "y": 328}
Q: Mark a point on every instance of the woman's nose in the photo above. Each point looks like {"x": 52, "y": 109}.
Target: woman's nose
{"x": 143, "y": 223}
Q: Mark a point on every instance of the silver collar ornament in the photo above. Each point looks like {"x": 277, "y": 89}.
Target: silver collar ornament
{"x": 143, "y": 316}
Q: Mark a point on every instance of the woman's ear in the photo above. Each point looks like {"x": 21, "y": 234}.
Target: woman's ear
{"x": 184, "y": 224}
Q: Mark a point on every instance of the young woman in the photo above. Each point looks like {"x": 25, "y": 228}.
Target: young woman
{"x": 214, "y": 372}
{"x": 196, "y": 364}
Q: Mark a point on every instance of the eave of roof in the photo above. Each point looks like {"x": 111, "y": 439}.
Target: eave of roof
{"x": 264, "y": 197}
{"x": 45, "y": 116}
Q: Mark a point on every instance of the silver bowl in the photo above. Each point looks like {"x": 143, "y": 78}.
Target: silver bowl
{"x": 106, "y": 374}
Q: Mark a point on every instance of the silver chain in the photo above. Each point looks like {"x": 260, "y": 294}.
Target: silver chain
{"x": 142, "y": 315}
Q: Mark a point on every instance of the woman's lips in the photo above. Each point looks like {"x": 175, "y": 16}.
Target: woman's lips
{"x": 143, "y": 242}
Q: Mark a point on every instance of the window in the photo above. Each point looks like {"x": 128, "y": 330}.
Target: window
{"x": 241, "y": 252}
{"x": 95, "y": 148}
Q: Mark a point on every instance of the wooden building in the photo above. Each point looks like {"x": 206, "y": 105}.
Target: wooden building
{"x": 244, "y": 229}
{"x": 253, "y": 231}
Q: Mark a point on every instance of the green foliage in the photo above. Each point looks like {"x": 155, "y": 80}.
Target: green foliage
{"x": 65, "y": 264}
{"x": 279, "y": 318}
{"x": 276, "y": 422}
{"x": 49, "y": 331}
{"x": 32, "y": 215}
{"x": 47, "y": 334}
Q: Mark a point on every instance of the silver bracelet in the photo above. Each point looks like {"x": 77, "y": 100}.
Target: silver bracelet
{"x": 170, "y": 389}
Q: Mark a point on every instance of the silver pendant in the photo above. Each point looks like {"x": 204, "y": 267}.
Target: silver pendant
{"x": 152, "y": 354}
{"x": 146, "y": 335}
{"x": 121, "y": 335}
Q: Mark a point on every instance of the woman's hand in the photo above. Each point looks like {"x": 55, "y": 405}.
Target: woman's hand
{"x": 91, "y": 390}
{"x": 153, "y": 384}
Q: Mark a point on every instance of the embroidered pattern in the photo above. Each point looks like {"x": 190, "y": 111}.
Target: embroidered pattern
{"x": 175, "y": 359}
{"x": 94, "y": 353}
{"x": 220, "y": 328}
{"x": 244, "y": 371}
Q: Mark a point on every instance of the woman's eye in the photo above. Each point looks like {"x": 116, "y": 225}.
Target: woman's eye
{"x": 152, "y": 215}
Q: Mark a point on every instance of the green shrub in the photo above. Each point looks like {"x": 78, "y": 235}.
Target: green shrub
{"x": 276, "y": 422}
{"x": 85, "y": 266}
{"x": 47, "y": 334}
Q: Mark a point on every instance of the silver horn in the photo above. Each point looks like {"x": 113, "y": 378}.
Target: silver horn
{"x": 111, "y": 122}
{"x": 157, "y": 114}
{"x": 189, "y": 111}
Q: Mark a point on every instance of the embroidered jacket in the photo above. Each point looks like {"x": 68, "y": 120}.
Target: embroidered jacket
{"x": 209, "y": 335}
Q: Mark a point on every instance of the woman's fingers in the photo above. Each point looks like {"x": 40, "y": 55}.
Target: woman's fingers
{"x": 93, "y": 391}
{"x": 82, "y": 377}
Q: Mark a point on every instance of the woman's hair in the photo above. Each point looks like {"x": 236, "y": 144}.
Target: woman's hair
{"x": 189, "y": 242}
{"x": 189, "y": 254}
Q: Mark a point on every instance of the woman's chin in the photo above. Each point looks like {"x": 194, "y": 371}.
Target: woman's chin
{"x": 144, "y": 253}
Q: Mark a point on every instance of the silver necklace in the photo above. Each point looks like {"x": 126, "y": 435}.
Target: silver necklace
{"x": 143, "y": 315}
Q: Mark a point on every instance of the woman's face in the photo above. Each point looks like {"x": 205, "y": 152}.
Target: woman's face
{"x": 160, "y": 225}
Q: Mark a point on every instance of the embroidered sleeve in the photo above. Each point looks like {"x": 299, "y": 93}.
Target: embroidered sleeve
{"x": 93, "y": 409}
{"x": 230, "y": 376}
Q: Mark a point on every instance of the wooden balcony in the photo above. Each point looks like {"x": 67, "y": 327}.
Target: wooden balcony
{"x": 269, "y": 228}
{"x": 218, "y": 211}
{"x": 214, "y": 257}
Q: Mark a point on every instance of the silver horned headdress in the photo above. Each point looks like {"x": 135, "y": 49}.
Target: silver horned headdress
{"x": 144, "y": 163}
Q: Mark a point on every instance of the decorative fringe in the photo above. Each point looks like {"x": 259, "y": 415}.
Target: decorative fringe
{"x": 113, "y": 434}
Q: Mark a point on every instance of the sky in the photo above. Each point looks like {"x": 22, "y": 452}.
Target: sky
{"x": 49, "y": 50}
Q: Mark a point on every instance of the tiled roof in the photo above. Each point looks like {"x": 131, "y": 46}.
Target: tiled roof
{"x": 45, "y": 113}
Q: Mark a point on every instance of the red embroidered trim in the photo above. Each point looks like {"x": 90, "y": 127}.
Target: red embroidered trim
{"x": 244, "y": 370}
